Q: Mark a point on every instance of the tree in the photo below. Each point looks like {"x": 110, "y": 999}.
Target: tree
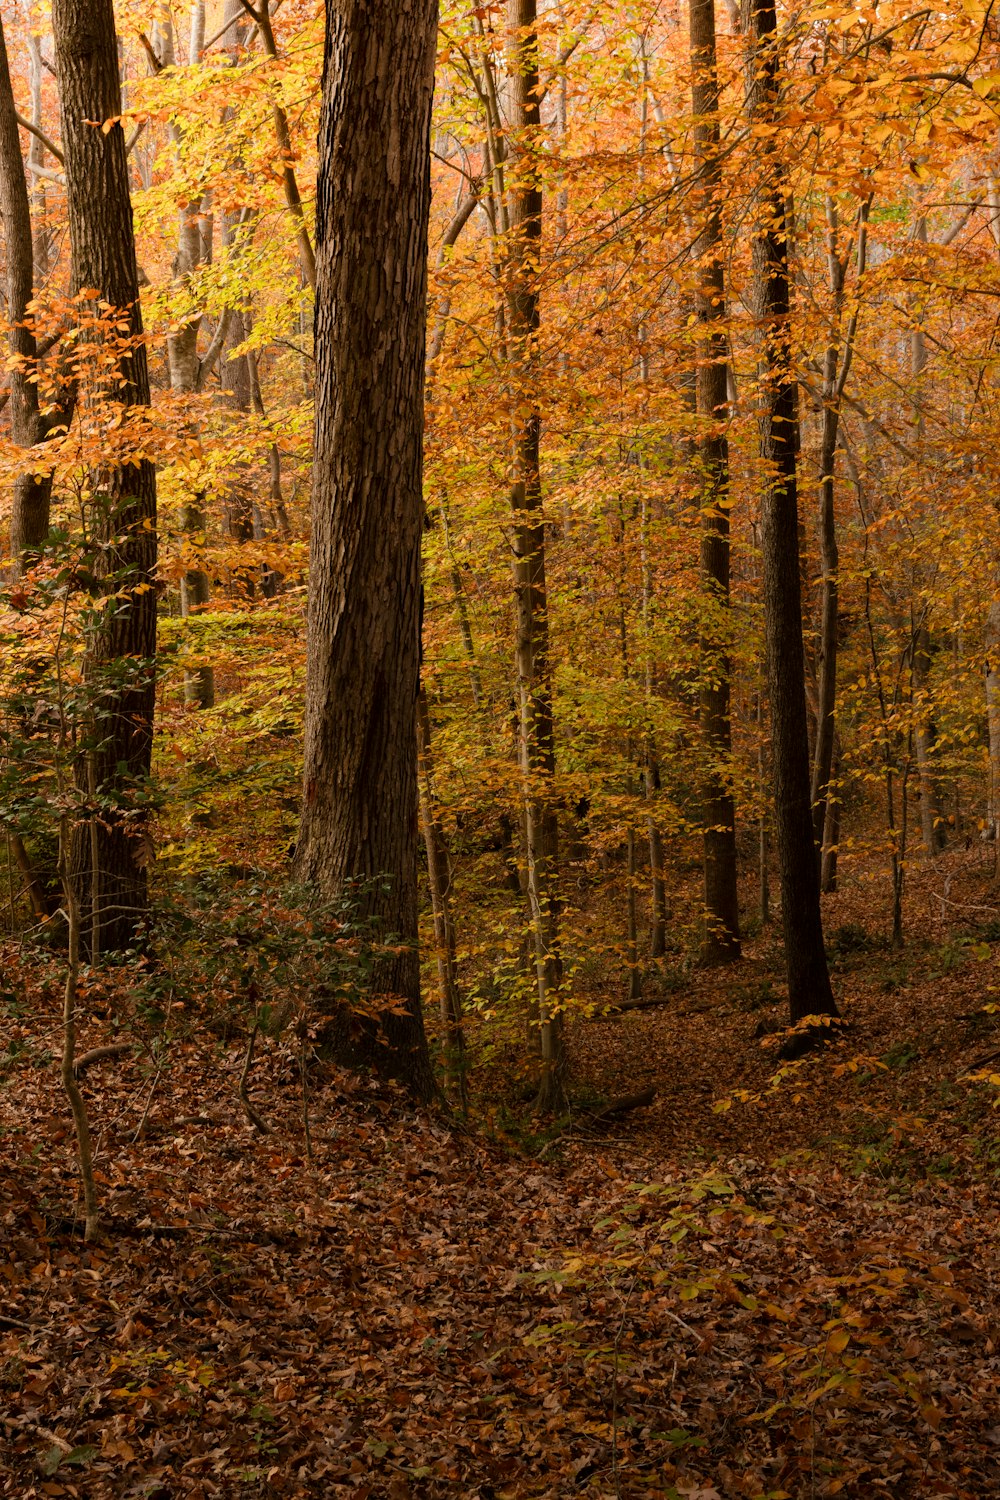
{"x": 809, "y": 991}
{"x": 359, "y": 814}
{"x": 722, "y": 933}
{"x": 533, "y": 665}
{"x": 32, "y": 491}
{"x": 110, "y": 854}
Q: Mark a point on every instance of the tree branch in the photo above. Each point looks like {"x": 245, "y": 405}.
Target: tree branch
{"x": 46, "y": 141}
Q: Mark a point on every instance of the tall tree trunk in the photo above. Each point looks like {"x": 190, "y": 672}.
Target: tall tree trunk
{"x": 809, "y": 991}
{"x": 534, "y": 672}
{"x": 32, "y": 492}
{"x": 721, "y": 942}
{"x": 359, "y": 814}
{"x": 121, "y": 652}
{"x": 837, "y": 362}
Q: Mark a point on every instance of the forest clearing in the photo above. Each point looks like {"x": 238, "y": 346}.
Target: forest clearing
{"x": 499, "y": 749}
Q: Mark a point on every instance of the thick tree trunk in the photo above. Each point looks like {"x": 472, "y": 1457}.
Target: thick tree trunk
{"x": 359, "y": 816}
{"x": 534, "y": 671}
{"x": 32, "y": 492}
{"x": 721, "y": 942}
{"x": 123, "y": 525}
{"x": 809, "y": 991}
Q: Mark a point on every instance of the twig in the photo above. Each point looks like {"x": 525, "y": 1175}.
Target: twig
{"x": 256, "y": 1120}
{"x": 6, "y": 1321}
{"x": 306, "y": 1128}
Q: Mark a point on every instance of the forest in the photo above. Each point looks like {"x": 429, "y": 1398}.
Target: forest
{"x": 499, "y": 749}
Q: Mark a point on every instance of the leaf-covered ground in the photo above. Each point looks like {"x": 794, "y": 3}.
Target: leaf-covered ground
{"x": 792, "y": 1296}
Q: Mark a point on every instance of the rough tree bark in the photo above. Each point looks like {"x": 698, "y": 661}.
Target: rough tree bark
{"x": 809, "y": 990}
{"x": 113, "y": 895}
{"x": 534, "y": 672}
{"x": 359, "y": 816}
{"x": 721, "y": 942}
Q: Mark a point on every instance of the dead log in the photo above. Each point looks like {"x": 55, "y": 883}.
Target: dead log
{"x": 98, "y": 1054}
{"x": 642, "y": 1100}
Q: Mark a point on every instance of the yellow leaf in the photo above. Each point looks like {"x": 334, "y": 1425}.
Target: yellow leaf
{"x": 838, "y": 1341}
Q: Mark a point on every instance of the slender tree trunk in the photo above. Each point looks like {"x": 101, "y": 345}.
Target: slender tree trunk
{"x": 837, "y": 363}
{"x": 537, "y": 742}
{"x": 763, "y": 840}
{"x": 32, "y": 491}
{"x": 439, "y": 883}
{"x": 924, "y": 739}
{"x": 992, "y": 641}
{"x": 261, "y": 13}
{"x": 359, "y": 817}
{"x": 121, "y": 654}
{"x": 721, "y": 943}
{"x": 809, "y": 990}
{"x": 831, "y": 827}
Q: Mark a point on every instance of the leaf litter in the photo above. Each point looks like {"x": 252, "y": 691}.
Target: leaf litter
{"x": 795, "y": 1296}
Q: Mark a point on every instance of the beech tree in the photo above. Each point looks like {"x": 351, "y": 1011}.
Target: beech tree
{"x": 809, "y": 991}
{"x": 722, "y": 932}
{"x": 359, "y": 816}
{"x": 110, "y": 851}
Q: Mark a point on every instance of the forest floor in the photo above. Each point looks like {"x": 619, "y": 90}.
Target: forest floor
{"x": 791, "y": 1294}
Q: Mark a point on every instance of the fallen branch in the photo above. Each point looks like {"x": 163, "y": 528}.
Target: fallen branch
{"x": 98, "y": 1054}
{"x": 642, "y": 1100}
{"x": 619, "y": 1007}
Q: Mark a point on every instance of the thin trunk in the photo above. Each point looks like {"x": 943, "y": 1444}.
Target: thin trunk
{"x": 992, "y": 641}
{"x": 185, "y": 373}
{"x": 721, "y": 942}
{"x": 651, "y": 762}
{"x": 439, "y": 883}
{"x": 534, "y": 673}
{"x": 261, "y": 14}
{"x": 831, "y": 828}
{"x": 631, "y": 908}
{"x": 119, "y": 662}
{"x": 763, "y": 841}
{"x": 836, "y": 368}
{"x": 809, "y": 990}
{"x": 924, "y": 740}
{"x": 32, "y": 492}
{"x": 359, "y": 826}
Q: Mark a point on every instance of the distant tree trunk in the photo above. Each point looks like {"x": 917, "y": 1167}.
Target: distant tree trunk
{"x": 359, "y": 815}
{"x": 721, "y": 942}
{"x": 534, "y": 670}
{"x": 124, "y": 524}
{"x": 439, "y": 885}
{"x": 924, "y": 739}
{"x": 831, "y": 827}
{"x": 837, "y": 361}
{"x": 809, "y": 991}
{"x": 992, "y": 642}
{"x": 32, "y": 493}
{"x": 36, "y": 158}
